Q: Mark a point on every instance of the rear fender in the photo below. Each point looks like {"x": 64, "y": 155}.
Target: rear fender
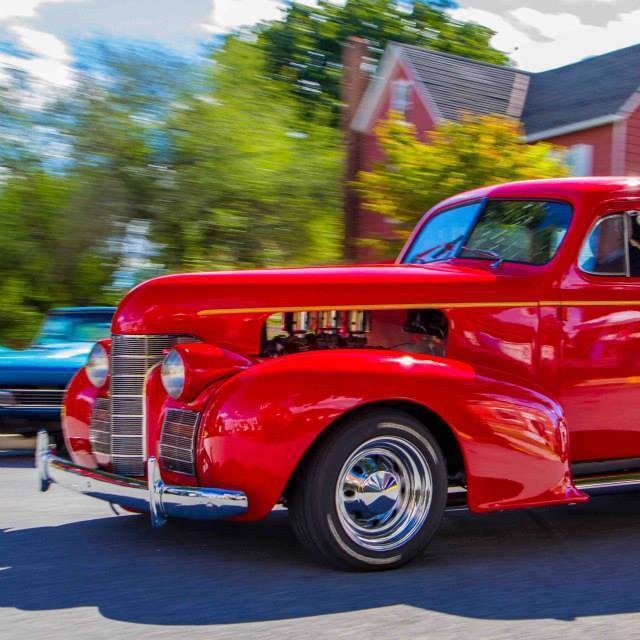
{"x": 259, "y": 424}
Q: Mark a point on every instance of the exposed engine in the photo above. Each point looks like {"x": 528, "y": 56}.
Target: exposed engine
{"x": 309, "y": 330}
{"x": 414, "y": 331}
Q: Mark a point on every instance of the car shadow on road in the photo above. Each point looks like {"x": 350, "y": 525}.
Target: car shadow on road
{"x": 549, "y": 563}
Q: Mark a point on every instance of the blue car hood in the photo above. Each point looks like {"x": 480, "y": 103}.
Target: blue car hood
{"x": 53, "y": 364}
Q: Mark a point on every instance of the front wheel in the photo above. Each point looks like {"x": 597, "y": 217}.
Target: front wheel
{"x": 372, "y": 495}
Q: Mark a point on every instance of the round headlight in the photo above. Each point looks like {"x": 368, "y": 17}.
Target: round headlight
{"x": 173, "y": 374}
{"x": 98, "y": 365}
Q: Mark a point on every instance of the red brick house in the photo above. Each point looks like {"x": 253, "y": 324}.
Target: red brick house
{"x": 591, "y": 107}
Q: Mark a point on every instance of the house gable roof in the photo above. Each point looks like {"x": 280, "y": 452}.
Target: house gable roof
{"x": 448, "y": 83}
{"x": 460, "y": 84}
{"x": 577, "y": 96}
{"x": 590, "y": 90}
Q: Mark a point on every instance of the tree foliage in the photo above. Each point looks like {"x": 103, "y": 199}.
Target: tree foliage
{"x": 48, "y": 253}
{"x": 254, "y": 183}
{"x": 457, "y": 156}
{"x": 67, "y": 198}
{"x": 222, "y": 168}
{"x": 305, "y": 48}
{"x": 230, "y": 161}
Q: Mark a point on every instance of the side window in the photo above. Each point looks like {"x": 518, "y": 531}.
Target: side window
{"x": 633, "y": 221}
{"x": 603, "y": 252}
{"x": 401, "y": 97}
{"x": 612, "y": 247}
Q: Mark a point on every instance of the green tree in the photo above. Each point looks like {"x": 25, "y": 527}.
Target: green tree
{"x": 456, "y": 156}
{"x": 48, "y": 258}
{"x": 255, "y": 184}
{"x": 63, "y": 214}
{"x": 305, "y": 48}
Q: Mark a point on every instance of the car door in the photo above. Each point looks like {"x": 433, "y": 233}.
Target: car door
{"x": 600, "y": 342}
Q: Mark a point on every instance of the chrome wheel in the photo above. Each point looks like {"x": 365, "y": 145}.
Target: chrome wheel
{"x": 383, "y": 494}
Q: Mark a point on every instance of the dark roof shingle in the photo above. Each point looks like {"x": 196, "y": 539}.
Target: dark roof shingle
{"x": 593, "y": 88}
{"x": 459, "y": 84}
{"x": 585, "y": 90}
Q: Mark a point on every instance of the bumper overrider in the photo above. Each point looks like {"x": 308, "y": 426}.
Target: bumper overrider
{"x": 161, "y": 500}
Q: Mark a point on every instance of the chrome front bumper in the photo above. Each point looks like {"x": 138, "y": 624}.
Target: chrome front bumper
{"x": 162, "y": 501}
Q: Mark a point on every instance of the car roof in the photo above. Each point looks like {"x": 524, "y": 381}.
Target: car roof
{"x": 559, "y": 188}
{"x": 83, "y": 310}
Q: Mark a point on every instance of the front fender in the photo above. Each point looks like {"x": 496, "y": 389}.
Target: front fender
{"x": 76, "y": 416}
{"x": 259, "y": 424}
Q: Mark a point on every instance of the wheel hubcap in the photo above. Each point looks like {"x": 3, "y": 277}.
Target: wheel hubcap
{"x": 383, "y": 494}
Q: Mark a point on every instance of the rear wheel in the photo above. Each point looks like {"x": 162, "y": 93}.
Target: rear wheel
{"x": 373, "y": 494}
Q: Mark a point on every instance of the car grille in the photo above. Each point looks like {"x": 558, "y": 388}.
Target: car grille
{"x": 131, "y": 359}
{"x": 100, "y": 427}
{"x": 177, "y": 441}
{"x": 39, "y": 398}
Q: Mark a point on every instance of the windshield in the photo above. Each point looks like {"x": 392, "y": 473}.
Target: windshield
{"x": 74, "y": 327}
{"x": 525, "y": 231}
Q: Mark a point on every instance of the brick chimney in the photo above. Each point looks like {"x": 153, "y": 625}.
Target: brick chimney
{"x": 355, "y": 78}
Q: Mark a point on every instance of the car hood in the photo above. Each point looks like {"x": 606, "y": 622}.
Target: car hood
{"x": 229, "y": 308}
{"x": 52, "y": 364}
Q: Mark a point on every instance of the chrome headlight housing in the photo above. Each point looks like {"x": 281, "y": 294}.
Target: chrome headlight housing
{"x": 97, "y": 366}
{"x": 173, "y": 374}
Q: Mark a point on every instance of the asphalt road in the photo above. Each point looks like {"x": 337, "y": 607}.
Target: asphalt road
{"x": 70, "y": 568}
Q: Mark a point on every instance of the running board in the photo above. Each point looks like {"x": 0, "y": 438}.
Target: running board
{"x": 611, "y": 483}
{"x": 592, "y": 485}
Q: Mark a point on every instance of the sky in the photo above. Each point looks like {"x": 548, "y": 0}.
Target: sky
{"x": 536, "y": 35}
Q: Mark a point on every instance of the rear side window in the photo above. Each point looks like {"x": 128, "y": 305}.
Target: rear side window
{"x": 612, "y": 247}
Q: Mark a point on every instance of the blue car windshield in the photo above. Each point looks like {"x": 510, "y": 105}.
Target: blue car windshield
{"x": 74, "y": 327}
{"x": 525, "y": 231}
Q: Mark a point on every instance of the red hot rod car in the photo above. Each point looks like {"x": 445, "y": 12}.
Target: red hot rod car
{"x": 499, "y": 355}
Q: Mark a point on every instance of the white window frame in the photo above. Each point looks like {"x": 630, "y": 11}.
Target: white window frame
{"x": 579, "y": 158}
{"x": 402, "y": 97}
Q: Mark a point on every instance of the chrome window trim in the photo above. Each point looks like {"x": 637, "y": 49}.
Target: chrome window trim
{"x": 610, "y": 274}
{"x": 627, "y": 259}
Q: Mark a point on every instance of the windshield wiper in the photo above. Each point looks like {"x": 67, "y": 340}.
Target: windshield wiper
{"x": 485, "y": 253}
{"x": 439, "y": 248}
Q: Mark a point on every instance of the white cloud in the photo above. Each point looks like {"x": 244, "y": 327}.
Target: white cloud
{"x": 229, "y": 15}
{"x": 10, "y": 9}
{"x": 50, "y": 63}
{"x": 507, "y": 37}
{"x": 551, "y": 25}
{"x": 48, "y": 67}
{"x": 567, "y": 38}
{"x": 41, "y": 43}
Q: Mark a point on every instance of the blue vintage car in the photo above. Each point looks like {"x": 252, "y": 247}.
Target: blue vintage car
{"x": 33, "y": 381}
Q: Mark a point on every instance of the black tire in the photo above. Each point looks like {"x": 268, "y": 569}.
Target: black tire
{"x": 320, "y": 516}
{"x": 57, "y": 438}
